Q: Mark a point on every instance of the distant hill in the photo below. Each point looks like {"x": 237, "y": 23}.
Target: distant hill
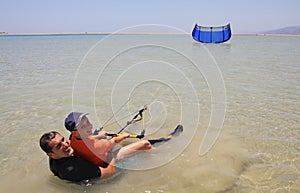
{"x": 286, "y": 30}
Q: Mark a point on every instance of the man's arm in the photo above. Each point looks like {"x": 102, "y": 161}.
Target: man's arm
{"x": 109, "y": 170}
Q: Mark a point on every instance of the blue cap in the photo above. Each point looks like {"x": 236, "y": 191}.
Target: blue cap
{"x": 73, "y": 120}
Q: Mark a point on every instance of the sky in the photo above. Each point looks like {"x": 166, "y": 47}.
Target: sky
{"x": 60, "y": 16}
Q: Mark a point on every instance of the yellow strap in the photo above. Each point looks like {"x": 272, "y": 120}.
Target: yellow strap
{"x": 144, "y": 116}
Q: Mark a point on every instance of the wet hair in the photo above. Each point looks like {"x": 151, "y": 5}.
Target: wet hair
{"x": 45, "y": 139}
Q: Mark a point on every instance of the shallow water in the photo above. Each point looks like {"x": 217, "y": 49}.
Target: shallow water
{"x": 253, "y": 81}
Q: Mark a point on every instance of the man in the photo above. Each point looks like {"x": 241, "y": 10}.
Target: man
{"x": 65, "y": 165}
{"x": 99, "y": 151}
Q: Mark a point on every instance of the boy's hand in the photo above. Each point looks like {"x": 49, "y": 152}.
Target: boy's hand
{"x": 125, "y": 135}
{"x": 101, "y": 135}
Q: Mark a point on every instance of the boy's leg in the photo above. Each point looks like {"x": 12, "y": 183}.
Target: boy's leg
{"x": 176, "y": 132}
{"x": 133, "y": 148}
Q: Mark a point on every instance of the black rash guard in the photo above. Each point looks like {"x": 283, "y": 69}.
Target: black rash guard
{"x": 74, "y": 169}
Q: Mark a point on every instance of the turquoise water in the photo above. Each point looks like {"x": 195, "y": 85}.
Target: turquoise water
{"x": 238, "y": 103}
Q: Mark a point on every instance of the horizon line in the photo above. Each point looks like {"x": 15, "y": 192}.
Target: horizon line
{"x": 131, "y": 33}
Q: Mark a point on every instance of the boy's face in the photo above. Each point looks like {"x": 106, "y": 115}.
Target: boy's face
{"x": 60, "y": 147}
{"x": 85, "y": 128}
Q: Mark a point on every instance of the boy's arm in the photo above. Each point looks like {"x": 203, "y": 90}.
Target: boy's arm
{"x": 120, "y": 138}
{"x": 101, "y": 135}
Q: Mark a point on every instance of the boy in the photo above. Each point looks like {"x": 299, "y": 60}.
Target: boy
{"x": 99, "y": 151}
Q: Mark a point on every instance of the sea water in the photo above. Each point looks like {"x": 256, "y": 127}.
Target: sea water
{"x": 238, "y": 103}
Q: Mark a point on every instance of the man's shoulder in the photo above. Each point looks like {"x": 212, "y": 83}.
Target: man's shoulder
{"x": 66, "y": 160}
{"x": 56, "y": 163}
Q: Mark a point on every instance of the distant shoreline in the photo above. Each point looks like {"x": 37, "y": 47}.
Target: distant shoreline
{"x": 267, "y": 34}
{"x": 128, "y": 33}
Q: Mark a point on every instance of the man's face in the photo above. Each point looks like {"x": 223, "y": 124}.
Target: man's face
{"x": 85, "y": 128}
{"x": 60, "y": 147}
